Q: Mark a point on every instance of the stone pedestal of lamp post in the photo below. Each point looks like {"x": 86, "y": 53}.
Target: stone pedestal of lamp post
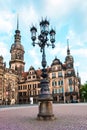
{"x": 45, "y": 103}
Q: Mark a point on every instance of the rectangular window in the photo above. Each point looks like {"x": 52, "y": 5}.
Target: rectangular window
{"x": 55, "y": 90}
{"x": 61, "y": 82}
{"x": 28, "y": 86}
{"x": 60, "y": 74}
{"x": 18, "y": 87}
{"x": 70, "y": 81}
{"x": 59, "y": 90}
{"x": 70, "y": 89}
{"x": 53, "y": 75}
{"x": 24, "y": 93}
{"x": 54, "y": 83}
{"x": 20, "y": 94}
{"x": 38, "y": 85}
{"x": 62, "y": 89}
{"x": 24, "y": 86}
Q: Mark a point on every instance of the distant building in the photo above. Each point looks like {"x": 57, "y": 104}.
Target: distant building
{"x": 18, "y": 86}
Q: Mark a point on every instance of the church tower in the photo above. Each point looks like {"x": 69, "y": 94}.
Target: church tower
{"x": 17, "y": 52}
{"x": 69, "y": 61}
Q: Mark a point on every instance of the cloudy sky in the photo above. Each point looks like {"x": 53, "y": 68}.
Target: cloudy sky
{"x": 68, "y": 17}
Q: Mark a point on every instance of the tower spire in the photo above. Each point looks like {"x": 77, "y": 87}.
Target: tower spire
{"x": 77, "y": 73}
{"x": 17, "y": 21}
{"x": 17, "y": 32}
{"x": 68, "y": 50}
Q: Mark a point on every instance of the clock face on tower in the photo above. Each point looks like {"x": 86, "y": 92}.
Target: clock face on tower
{"x": 69, "y": 65}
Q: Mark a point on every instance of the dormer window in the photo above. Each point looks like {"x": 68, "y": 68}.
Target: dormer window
{"x": 34, "y": 77}
{"x": 30, "y": 72}
{"x": 29, "y": 77}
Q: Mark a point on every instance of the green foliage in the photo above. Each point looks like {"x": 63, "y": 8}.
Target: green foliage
{"x": 83, "y": 92}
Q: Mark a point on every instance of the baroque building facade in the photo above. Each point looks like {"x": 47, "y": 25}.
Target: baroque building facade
{"x": 20, "y": 87}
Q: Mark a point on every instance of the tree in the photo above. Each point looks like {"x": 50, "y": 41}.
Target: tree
{"x": 83, "y": 92}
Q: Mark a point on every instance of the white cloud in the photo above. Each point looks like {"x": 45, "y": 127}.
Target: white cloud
{"x": 82, "y": 52}
{"x": 76, "y": 64}
{"x": 60, "y": 8}
{"x": 83, "y": 76}
{"x": 6, "y": 21}
{"x": 28, "y": 15}
{"x": 4, "y": 49}
{"x": 33, "y": 54}
{"x": 74, "y": 38}
{"x": 59, "y": 49}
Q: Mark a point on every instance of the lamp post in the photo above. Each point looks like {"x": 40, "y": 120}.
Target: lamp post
{"x": 45, "y": 98}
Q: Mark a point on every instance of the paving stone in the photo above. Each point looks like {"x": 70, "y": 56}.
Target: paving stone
{"x": 68, "y": 117}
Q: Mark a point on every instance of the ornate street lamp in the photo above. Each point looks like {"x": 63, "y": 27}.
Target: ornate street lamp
{"x": 45, "y": 98}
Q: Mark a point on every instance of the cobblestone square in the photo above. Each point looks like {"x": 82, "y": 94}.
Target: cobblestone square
{"x": 68, "y": 117}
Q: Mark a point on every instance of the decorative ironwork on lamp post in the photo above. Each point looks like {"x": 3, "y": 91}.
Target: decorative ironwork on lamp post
{"x": 45, "y": 97}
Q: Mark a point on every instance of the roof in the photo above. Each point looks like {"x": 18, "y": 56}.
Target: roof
{"x": 56, "y": 61}
{"x": 24, "y": 74}
{"x": 17, "y": 46}
{"x": 31, "y": 68}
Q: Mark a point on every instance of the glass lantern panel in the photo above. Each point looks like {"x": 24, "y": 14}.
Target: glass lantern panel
{"x": 52, "y": 37}
{"x": 46, "y": 28}
{"x": 33, "y": 33}
{"x": 41, "y": 28}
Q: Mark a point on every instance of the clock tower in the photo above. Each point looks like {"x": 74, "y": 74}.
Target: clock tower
{"x": 17, "y": 52}
{"x": 69, "y": 61}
